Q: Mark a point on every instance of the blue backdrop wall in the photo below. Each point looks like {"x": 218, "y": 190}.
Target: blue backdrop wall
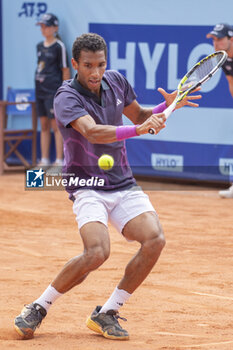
{"x": 152, "y": 45}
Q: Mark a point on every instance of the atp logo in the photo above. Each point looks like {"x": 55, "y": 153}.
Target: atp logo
{"x": 29, "y": 9}
{"x": 35, "y": 178}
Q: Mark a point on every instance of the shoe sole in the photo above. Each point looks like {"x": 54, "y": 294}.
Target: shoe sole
{"x": 28, "y": 332}
{"x": 96, "y": 328}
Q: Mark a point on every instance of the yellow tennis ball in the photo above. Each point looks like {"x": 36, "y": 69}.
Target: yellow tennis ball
{"x": 106, "y": 162}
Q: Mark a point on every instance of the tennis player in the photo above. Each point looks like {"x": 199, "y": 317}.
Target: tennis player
{"x": 222, "y": 35}
{"x": 89, "y": 112}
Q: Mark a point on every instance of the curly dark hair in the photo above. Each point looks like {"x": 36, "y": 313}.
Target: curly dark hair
{"x": 88, "y": 42}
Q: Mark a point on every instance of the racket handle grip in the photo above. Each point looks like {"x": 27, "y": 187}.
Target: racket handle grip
{"x": 168, "y": 111}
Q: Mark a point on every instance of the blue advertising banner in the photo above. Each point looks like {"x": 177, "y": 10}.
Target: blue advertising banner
{"x": 153, "y": 56}
{"x": 181, "y": 160}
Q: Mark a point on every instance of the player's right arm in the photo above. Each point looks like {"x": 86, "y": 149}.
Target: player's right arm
{"x": 230, "y": 83}
{"x": 97, "y": 133}
{"x": 94, "y": 133}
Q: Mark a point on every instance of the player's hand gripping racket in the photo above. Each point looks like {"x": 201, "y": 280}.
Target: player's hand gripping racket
{"x": 196, "y": 76}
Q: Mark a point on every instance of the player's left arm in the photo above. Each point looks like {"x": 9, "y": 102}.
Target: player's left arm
{"x": 138, "y": 114}
{"x": 230, "y": 83}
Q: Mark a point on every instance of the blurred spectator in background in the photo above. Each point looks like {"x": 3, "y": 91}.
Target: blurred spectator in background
{"x": 222, "y": 35}
{"x": 52, "y": 69}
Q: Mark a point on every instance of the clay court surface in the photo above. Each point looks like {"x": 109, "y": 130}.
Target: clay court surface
{"x": 185, "y": 303}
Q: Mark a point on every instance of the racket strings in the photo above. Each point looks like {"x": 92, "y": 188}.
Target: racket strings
{"x": 204, "y": 68}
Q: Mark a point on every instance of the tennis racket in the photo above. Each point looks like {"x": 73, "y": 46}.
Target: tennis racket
{"x": 196, "y": 76}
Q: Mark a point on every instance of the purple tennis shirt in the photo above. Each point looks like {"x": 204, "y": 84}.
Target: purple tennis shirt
{"x": 71, "y": 102}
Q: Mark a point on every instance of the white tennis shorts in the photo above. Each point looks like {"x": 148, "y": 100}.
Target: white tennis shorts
{"x": 117, "y": 207}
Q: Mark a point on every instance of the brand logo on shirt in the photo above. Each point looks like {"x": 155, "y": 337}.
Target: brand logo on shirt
{"x": 118, "y": 102}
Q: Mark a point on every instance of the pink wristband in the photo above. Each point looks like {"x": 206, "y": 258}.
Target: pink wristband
{"x": 159, "y": 108}
{"x": 125, "y": 132}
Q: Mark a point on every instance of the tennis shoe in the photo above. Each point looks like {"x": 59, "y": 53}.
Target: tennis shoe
{"x": 227, "y": 193}
{"x": 107, "y": 324}
{"x": 30, "y": 318}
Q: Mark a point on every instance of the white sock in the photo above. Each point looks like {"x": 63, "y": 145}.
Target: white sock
{"x": 49, "y": 296}
{"x": 116, "y": 300}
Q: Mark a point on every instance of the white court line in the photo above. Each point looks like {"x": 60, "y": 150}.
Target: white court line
{"x": 206, "y": 344}
{"x": 212, "y": 295}
{"x": 178, "y": 334}
{"x": 193, "y": 336}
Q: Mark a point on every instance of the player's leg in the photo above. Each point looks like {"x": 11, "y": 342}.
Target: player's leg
{"x": 136, "y": 219}
{"x": 92, "y": 219}
{"x": 145, "y": 229}
{"x": 96, "y": 250}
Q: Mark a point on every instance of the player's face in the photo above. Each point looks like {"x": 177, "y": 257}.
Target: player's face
{"x": 91, "y": 67}
{"x": 221, "y": 43}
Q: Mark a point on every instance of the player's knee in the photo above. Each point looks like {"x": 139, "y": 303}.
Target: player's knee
{"x": 96, "y": 256}
{"x": 160, "y": 241}
{"x": 154, "y": 244}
